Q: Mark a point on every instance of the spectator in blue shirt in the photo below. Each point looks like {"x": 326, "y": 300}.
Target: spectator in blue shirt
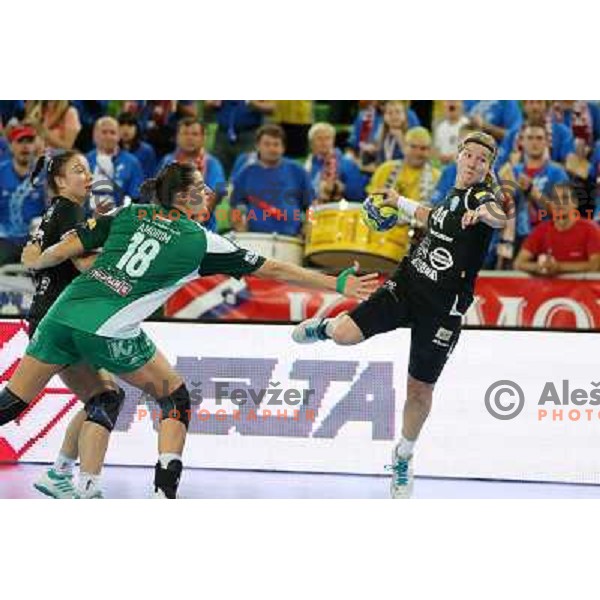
{"x": 366, "y": 137}
{"x": 533, "y": 179}
{"x": 561, "y": 139}
{"x": 237, "y": 122}
{"x": 131, "y": 141}
{"x": 117, "y": 173}
{"x": 20, "y": 201}
{"x": 495, "y": 117}
{"x": 190, "y": 149}
{"x": 242, "y": 161}
{"x": 333, "y": 175}
{"x": 274, "y": 192}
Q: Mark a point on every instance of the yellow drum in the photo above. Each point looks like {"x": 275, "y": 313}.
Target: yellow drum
{"x": 337, "y": 235}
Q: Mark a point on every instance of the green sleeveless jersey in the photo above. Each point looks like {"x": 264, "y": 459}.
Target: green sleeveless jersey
{"x": 146, "y": 256}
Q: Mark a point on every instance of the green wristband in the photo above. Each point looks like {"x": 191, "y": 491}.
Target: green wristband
{"x": 341, "y": 279}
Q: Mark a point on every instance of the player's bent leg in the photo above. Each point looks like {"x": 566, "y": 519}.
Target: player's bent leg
{"x": 90, "y": 428}
{"x": 173, "y": 398}
{"x": 28, "y": 380}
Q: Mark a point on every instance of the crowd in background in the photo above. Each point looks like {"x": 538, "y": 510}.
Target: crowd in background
{"x": 269, "y": 161}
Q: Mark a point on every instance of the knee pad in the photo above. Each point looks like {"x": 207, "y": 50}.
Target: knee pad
{"x": 11, "y": 406}
{"x": 104, "y": 408}
{"x": 176, "y": 405}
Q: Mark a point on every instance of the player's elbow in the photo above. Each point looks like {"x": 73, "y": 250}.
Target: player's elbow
{"x": 271, "y": 269}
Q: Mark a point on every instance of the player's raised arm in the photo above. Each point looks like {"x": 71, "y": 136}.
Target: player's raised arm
{"x": 408, "y": 208}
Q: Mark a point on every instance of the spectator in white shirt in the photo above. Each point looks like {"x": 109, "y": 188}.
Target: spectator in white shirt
{"x": 446, "y": 132}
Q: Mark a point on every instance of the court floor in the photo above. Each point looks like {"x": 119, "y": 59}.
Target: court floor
{"x": 135, "y": 482}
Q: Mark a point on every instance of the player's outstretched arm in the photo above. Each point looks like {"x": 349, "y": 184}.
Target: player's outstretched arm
{"x": 33, "y": 257}
{"x": 349, "y": 285}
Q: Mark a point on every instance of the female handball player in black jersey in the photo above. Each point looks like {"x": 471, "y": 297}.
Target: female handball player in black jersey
{"x": 430, "y": 290}
{"x": 69, "y": 181}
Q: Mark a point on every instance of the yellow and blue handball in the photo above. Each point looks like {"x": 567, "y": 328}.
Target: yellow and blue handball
{"x": 377, "y": 216}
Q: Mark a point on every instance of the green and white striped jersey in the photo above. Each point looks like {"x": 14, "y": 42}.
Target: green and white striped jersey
{"x": 146, "y": 256}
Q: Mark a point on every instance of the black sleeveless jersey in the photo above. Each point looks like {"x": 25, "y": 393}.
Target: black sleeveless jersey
{"x": 448, "y": 258}
{"x": 61, "y": 217}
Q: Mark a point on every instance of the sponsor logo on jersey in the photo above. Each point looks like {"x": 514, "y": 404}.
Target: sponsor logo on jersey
{"x": 441, "y": 236}
{"x": 91, "y": 224}
{"x": 424, "y": 269}
{"x": 251, "y": 257}
{"x": 117, "y": 285}
{"x": 454, "y": 203}
{"x": 441, "y": 259}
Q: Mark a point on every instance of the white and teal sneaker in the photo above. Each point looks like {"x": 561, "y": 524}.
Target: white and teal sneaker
{"x": 401, "y": 487}
{"x": 56, "y": 485}
{"x": 310, "y": 331}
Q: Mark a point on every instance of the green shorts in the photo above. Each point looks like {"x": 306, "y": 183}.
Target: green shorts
{"x": 59, "y": 344}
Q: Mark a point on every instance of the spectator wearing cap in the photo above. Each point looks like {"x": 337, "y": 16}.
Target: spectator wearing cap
{"x": 568, "y": 243}
{"x": 413, "y": 176}
{"x": 495, "y": 117}
{"x": 20, "y": 201}
{"x": 560, "y": 137}
{"x": 333, "y": 175}
{"x": 190, "y": 149}
{"x": 129, "y": 132}
{"x": 237, "y": 122}
{"x": 117, "y": 173}
{"x": 274, "y": 191}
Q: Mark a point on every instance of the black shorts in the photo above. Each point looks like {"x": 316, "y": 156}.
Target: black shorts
{"x": 435, "y": 322}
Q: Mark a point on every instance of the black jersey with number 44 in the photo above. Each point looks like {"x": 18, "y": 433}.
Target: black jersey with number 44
{"x": 62, "y": 216}
{"x": 449, "y": 257}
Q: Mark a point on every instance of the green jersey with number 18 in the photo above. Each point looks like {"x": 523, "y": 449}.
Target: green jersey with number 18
{"x": 146, "y": 256}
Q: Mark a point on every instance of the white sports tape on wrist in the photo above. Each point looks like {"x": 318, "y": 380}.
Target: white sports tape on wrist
{"x": 408, "y": 206}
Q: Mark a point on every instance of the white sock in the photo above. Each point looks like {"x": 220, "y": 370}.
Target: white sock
{"x": 87, "y": 483}
{"x": 64, "y": 464}
{"x": 405, "y": 448}
{"x": 166, "y": 457}
{"x": 329, "y": 327}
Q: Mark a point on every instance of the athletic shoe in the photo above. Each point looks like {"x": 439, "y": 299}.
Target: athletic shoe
{"x": 401, "y": 487}
{"x": 310, "y": 331}
{"x": 56, "y": 485}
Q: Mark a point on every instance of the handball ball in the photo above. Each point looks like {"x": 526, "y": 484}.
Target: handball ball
{"x": 376, "y": 216}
